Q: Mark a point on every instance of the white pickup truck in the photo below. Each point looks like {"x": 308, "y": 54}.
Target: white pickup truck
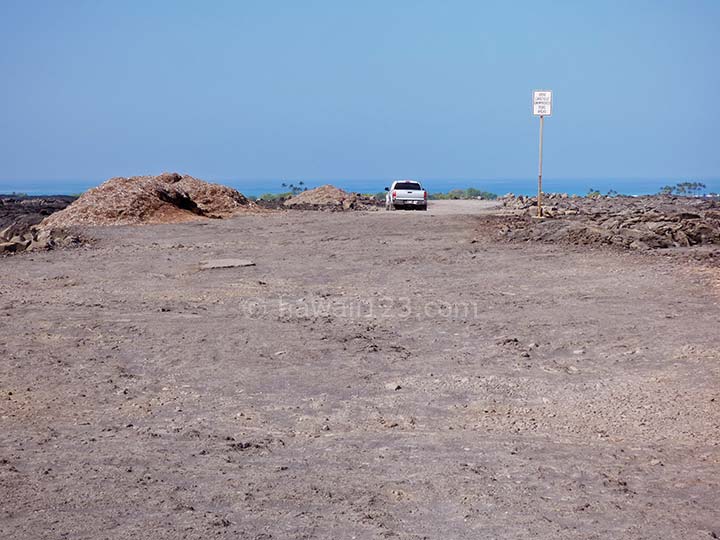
{"x": 406, "y": 193}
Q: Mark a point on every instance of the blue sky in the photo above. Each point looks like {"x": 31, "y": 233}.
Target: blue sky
{"x": 357, "y": 90}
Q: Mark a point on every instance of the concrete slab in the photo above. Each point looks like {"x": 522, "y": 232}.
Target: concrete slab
{"x": 213, "y": 264}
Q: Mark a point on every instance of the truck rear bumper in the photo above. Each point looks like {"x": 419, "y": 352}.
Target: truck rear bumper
{"x": 409, "y": 202}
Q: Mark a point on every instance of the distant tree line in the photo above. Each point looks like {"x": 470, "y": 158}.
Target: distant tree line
{"x": 692, "y": 189}
{"x": 290, "y": 191}
{"x": 469, "y": 193}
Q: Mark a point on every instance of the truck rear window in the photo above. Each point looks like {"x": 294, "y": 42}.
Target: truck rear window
{"x": 407, "y": 185}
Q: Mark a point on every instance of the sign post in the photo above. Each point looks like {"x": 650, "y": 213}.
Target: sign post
{"x": 542, "y": 107}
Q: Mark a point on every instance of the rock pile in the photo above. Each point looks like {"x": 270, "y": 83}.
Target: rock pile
{"x": 632, "y": 222}
{"x": 329, "y": 197}
{"x": 13, "y": 240}
{"x": 167, "y": 198}
{"x": 19, "y": 217}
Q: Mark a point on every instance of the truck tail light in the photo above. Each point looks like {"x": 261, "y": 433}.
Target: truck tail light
{"x": 425, "y": 195}
{"x": 394, "y": 194}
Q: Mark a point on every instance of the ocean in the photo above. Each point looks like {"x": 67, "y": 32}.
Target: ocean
{"x": 499, "y": 186}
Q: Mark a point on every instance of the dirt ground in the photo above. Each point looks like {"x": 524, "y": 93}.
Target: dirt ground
{"x": 374, "y": 375}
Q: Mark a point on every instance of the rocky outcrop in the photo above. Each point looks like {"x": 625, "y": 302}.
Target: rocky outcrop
{"x": 631, "y": 222}
{"x": 167, "y": 198}
{"x": 23, "y": 211}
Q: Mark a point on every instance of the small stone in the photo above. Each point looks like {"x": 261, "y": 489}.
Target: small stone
{"x": 639, "y": 245}
{"x": 7, "y": 247}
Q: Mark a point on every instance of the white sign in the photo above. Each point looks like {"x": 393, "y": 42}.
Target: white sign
{"x": 542, "y": 102}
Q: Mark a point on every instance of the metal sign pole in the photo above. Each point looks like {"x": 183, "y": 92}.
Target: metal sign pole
{"x": 542, "y": 107}
{"x": 539, "y": 198}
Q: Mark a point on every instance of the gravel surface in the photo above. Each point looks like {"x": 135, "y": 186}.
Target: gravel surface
{"x": 374, "y": 375}
{"x": 464, "y": 207}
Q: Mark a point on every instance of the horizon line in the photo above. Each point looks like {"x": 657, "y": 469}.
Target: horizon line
{"x": 373, "y": 179}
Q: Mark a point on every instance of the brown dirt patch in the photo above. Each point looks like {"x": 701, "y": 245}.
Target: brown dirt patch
{"x": 167, "y": 198}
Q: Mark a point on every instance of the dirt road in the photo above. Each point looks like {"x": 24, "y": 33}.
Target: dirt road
{"x": 462, "y": 207}
{"x": 374, "y": 375}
